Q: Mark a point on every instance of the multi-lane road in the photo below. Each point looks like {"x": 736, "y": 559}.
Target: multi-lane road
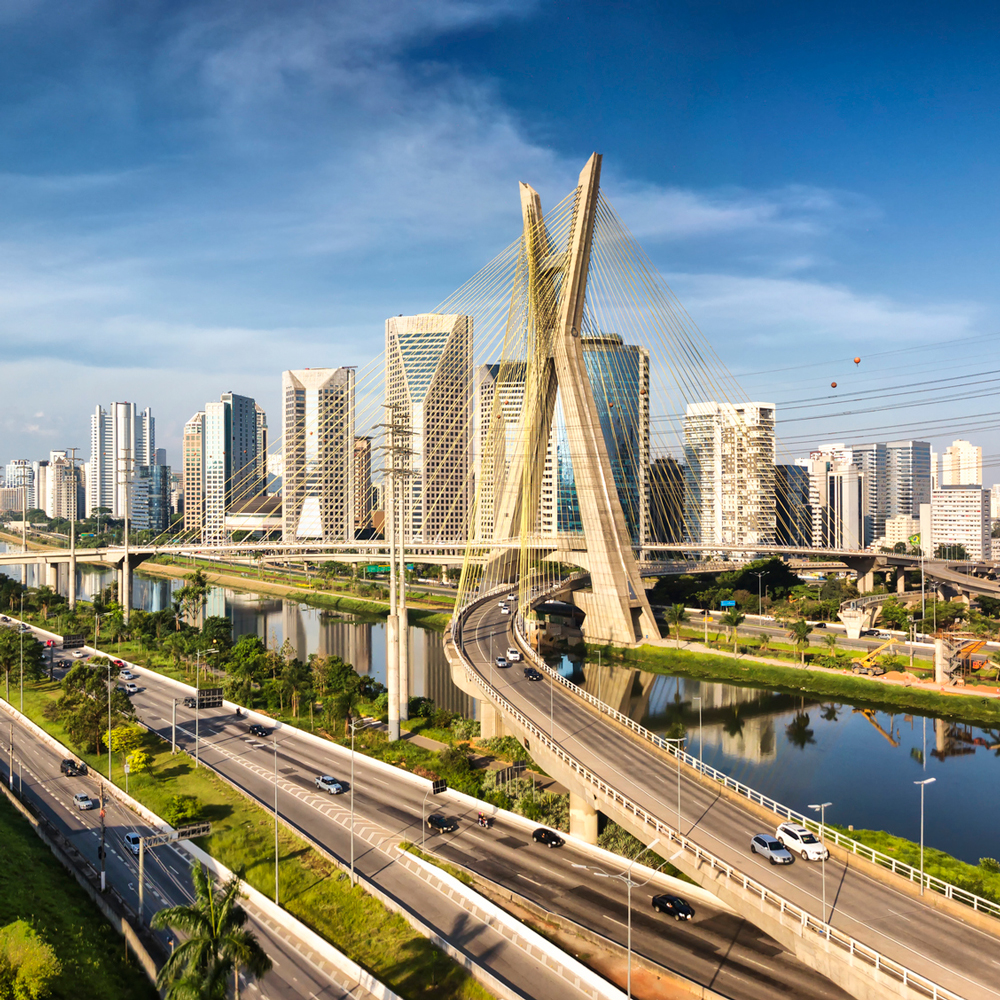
{"x": 943, "y": 948}
{"x": 167, "y": 869}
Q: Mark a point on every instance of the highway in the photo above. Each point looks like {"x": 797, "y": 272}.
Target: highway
{"x": 167, "y": 869}
{"x": 716, "y": 949}
{"x": 942, "y": 948}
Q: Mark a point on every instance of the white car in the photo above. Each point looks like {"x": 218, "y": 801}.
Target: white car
{"x": 505, "y": 610}
{"x": 327, "y": 784}
{"x": 132, "y": 842}
{"x": 502, "y": 605}
{"x": 82, "y": 800}
{"x": 127, "y": 675}
{"x": 513, "y": 655}
{"x": 803, "y": 842}
{"x": 80, "y": 655}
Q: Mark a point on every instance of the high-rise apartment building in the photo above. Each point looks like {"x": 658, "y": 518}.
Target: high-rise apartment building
{"x": 729, "y": 473}
{"x": 962, "y": 464}
{"x": 193, "y": 472}
{"x": 318, "y": 494}
{"x": 960, "y": 516}
{"x": 666, "y": 502}
{"x": 792, "y": 506}
{"x": 902, "y": 530}
{"x": 231, "y": 467}
{"x": 908, "y": 477}
{"x": 61, "y": 487}
{"x": 935, "y": 470}
{"x": 836, "y": 499}
{"x": 429, "y": 386}
{"x": 871, "y": 460}
{"x": 20, "y": 475}
{"x": 121, "y": 439}
{"x": 364, "y": 497}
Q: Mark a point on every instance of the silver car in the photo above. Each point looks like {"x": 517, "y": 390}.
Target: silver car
{"x": 83, "y": 801}
{"x": 768, "y": 847}
{"x": 325, "y": 783}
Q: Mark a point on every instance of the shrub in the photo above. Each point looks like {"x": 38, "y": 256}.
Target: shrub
{"x": 27, "y": 963}
{"x": 465, "y": 729}
{"x": 182, "y": 809}
{"x": 506, "y": 747}
{"x": 456, "y": 759}
{"x": 990, "y": 865}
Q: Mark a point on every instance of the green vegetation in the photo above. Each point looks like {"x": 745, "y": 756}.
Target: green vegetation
{"x": 462, "y": 876}
{"x": 982, "y": 879}
{"x": 216, "y": 942}
{"x": 46, "y": 897}
{"x": 28, "y": 964}
{"x": 859, "y": 691}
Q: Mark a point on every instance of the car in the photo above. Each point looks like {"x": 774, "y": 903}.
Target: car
{"x": 547, "y": 837}
{"x": 819, "y": 624}
{"x": 130, "y": 688}
{"x": 132, "y": 842}
{"x": 514, "y": 655}
{"x": 505, "y": 610}
{"x": 80, "y": 655}
{"x": 126, "y": 675}
{"x": 4, "y": 618}
{"x": 512, "y": 597}
{"x": 502, "y": 662}
{"x": 767, "y": 847}
{"x": 883, "y": 635}
{"x": 118, "y": 663}
{"x": 532, "y": 674}
{"x": 190, "y": 702}
{"x": 72, "y": 767}
{"x": 257, "y": 730}
{"x": 801, "y": 841}
{"x": 327, "y": 784}
{"x": 24, "y": 628}
{"x": 441, "y": 824}
{"x": 82, "y": 800}
{"x": 673, "y": 906}
{"x": 501, "y": 605}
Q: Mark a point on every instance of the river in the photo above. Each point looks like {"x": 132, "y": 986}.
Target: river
{"x": 796, "y": 750}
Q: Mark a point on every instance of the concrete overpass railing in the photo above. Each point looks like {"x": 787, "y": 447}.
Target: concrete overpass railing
{"x": 947, "y": 889}
{"x": 876, "y": 967}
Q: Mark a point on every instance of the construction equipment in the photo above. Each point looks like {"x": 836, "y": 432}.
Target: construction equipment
{"x": 868, "y": 665}
{"x": 965, "y": 664}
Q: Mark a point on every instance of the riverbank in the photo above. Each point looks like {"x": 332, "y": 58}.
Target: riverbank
{"x": 887, "y": 693}
{"x": 419, "y": 613}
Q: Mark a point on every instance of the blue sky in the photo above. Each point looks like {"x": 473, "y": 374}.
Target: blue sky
{"x": 195, "y": 197}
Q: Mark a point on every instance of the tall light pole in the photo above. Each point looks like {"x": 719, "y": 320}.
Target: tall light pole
{"x": 760, "y": 603}
{"x": 821, "y": 809}
{"x": 627, "y": 879}
{"x": 701, "y": 753}
{"x": 197, "y": 708}
{"x": 274, "y": 739}
{"x": 677, "y": 741}
{"x": 21, "y": 633}
{"x": 923, "y": 784}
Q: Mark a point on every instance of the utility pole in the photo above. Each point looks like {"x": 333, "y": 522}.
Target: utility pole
{"x": 125, "y": 586}
{"x": 173, "y": 727}
{"x": 102, "y": 851}
{"x": 71, "y": 583}
{"x": 392, "y": 622}
{"x": 10, "y": 765}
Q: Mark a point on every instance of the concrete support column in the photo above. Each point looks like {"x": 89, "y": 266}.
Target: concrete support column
{"x": 866, "y": 582}
{"x": 125, "y": 589}
{"x": 491, "y": 721}
{"x": 52, "y": 575}
{"x": 582, "y": 818}
{"x": 901, "y": 581}
{"x": 940, "y": 662}
{"x": 71, "y": 583}
{"x": 392, "y": 673}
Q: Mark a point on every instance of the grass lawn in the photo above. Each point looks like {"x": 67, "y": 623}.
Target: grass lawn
{"x": 312, "y": 889}
{"x": 94, "y": 962}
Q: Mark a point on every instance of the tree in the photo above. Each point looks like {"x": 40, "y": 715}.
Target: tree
{"x": 15, "y": 648}
{"x": 247, "y": 666}
{"x": 138, "y": 761}
{"x": 764, "y": 641}
{"x": 830, "y": 641}
{"x": 217, "y": 943}
{"x": 676, "y": 614}
{"x": 953, "y": 551}
{"x": 192, "y": 597}
{"x": 28, "y": 965}
{"x": 733, "y": 619}
{"x": 799, "y": 631}
{"x": 123, "y": 739}
{"x": 895, "y": 615}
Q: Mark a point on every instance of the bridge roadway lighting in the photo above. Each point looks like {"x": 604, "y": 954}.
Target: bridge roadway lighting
{"x": 356, "y": 724}
{"x": 923, "y": 784}
{"x": 197, "y": 706}
{"x": 821, "y": 809}
{"x": 678, "y": 740}
{"x": 760, "y": 603}
{"x": 627, "y": 879}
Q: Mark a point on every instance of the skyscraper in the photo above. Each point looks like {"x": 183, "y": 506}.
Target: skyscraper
{"x": 729, "y": 473}
{"x": 429, "y": 387}
{"x": 121, "y": 439}
{"x": 794, "y": 513}
{"x": 836, "y": 498}
{"x": 962, "y": 464}
{"x": 20, "y": 475}
{"x": 364, "y": 498}
{"x": 193, "y": 474}
{"x": 871, "y": 460}
{"x": 908, "y": 477}
{"x": 318, "y": 494}
{"x": 231, "y": 469}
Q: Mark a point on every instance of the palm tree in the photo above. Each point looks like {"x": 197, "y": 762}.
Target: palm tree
{"x": 217, "y": 942}
{"x": 732, "y": 619}
{"x": 800, "y": 633}
{"x": 764, "y": 641}
{"x": 676, "y": 615}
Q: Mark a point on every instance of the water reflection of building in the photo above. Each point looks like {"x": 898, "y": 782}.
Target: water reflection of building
{"x": 350, "y": 640}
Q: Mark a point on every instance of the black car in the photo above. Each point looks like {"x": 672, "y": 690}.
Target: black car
{"x": 547, "y": 837}
{"x": 532, "y": 674}
{"x": 72, "y": 767}
{"x": 673, "y": 906}
{"x": 257, "y": 730}
{"x": 190, "y": 702}
{"x": 441, "y": 824}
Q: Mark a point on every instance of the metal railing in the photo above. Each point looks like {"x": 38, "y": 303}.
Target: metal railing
{"x": 947, "y": 889}
{"x": 791, "y": 916}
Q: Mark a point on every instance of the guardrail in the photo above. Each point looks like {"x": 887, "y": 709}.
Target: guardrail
{"x": 791, "y": 916}
{"x": 947, "y": 889}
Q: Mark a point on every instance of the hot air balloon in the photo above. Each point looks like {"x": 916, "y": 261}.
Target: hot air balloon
{"x": 833, "y": 385}
{"x": 857, "y": 361}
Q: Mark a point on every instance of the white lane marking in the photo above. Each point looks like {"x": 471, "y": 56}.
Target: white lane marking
{"x": 612, "y": 919}
{"x": 894, "y": 913}
{"x": 526, "y": 879}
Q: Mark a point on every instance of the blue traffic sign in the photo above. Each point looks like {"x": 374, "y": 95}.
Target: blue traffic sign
{"x": 727, "y": 604}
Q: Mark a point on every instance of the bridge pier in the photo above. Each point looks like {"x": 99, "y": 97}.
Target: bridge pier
{"x": 52, "y": 575}
{"x": 491, "y": 721}
{"x": 900, "y": 580}
{"x": 71, "y": 583}
{"x": 582, "y": 818}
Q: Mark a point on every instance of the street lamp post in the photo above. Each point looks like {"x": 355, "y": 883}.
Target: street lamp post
{"x": 923, "y": 784}
{"x": 821, "y": 809}
{"x": 274, "y": 741}
{"x": 701, "y": 753}
{"x": 197, "y": 711}
{"x": 356, "y": 724}
{"x": 760, "y": 603}
{"x": 678, "y": 740}
{"x": 627, "y": 879}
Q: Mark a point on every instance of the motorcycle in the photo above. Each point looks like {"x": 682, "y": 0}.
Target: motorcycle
{"x": 485, "y": 822}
